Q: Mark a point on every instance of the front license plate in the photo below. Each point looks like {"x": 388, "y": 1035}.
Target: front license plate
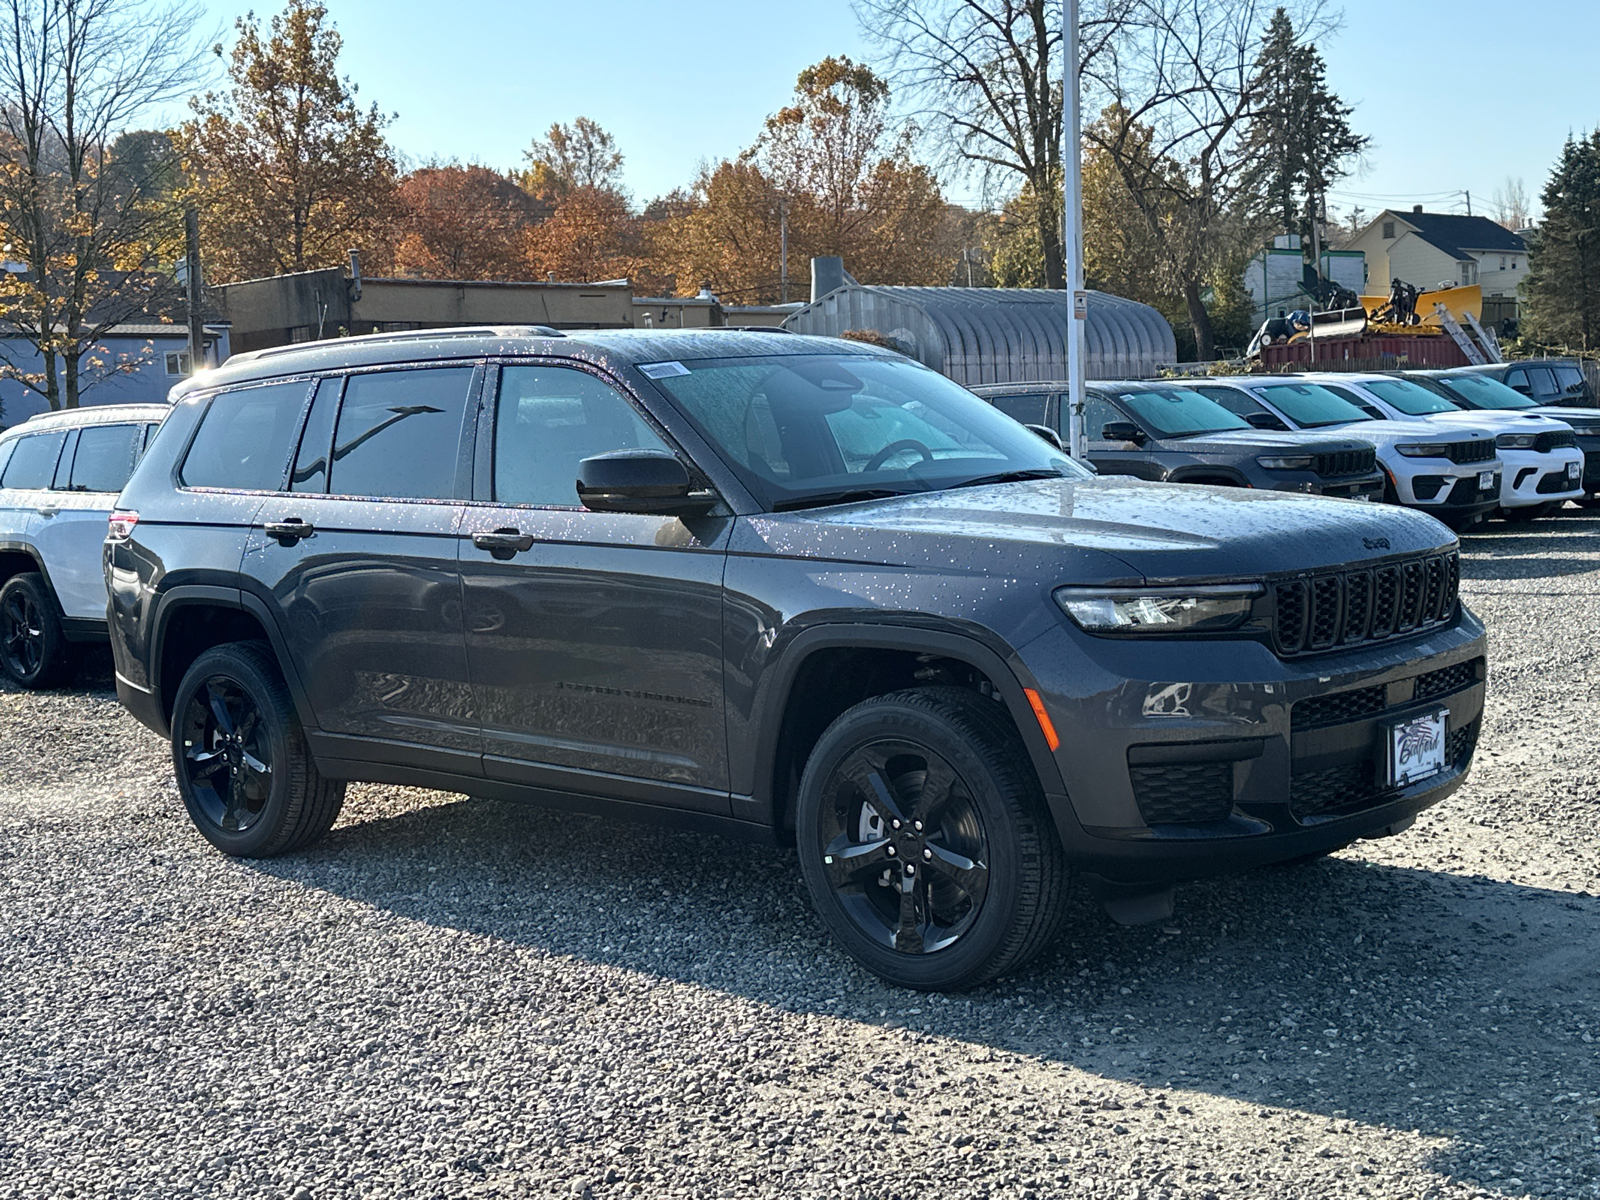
{"x": 1574, "y": 470}
{"x": 1485, "y": 481}
{"x": 1416, "y": 748}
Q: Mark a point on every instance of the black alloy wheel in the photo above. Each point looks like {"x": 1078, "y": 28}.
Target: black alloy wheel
{"x": 227, "y": 754}
{"x": 925, "y": 840}
{"x": 244, "y": 770}
{"x": 904, "y": 848}
{"x": 33, "y": 648}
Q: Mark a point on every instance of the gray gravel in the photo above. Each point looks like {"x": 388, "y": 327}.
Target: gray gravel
{"x": 454, "y": 997}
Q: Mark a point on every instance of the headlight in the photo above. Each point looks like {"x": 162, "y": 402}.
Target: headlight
{"x": 1286, "y": 462}
{"x": 1516, "y": 441}
{"x": 1420, "y": 450}
{"x": 1158, "y": 610}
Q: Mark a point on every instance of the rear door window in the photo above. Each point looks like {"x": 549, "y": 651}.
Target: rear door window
{"x": 1570, "y": 381}
{"x": 399, "y": 433}
{"x": 33, "y": 462}
{"x": 1027, "y": 408}
{"x": 1542, "y": 383}
{"x": 245, "y": 437}
{"x": 105, "y": 457}
{"x": 310, "y": 472}
{"x": 549, "y": 420}
{"x": 64, "y": 462}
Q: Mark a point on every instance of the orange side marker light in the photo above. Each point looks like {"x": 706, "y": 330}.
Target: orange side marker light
{"x": 1045, "y": 725}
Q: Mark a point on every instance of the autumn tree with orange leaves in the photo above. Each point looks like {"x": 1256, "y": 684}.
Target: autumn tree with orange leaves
{"x": 464, "y": 223}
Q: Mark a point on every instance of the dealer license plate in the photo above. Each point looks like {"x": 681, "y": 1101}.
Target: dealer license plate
{"x": 1485, "y": 481}
{"x": 1416, "y": 748}
{"x": 1574, "y": 470}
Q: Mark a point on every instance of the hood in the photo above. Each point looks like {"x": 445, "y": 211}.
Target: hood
{"x": 1307, "y": 441}
{"x": 1109, "y": 530}
{"x": 1414, "y": 429}
{"x": 1586, "y": 419}
{"x": 1499, "y": 421}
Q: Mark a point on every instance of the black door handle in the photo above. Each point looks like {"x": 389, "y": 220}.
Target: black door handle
{"x": 289, "y": 530}
{"x": 503, "y": 543}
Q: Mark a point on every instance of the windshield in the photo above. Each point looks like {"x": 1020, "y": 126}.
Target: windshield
{"x": 1410, "y": 398}
{"x": 1178, "y": 412}
{"x": 1479, "y": 391}
{"x": 819, "y": 428}
{"x": 1309, "y": 405}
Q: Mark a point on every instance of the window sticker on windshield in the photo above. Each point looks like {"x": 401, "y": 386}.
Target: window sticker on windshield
{"x": 663, "y": 370}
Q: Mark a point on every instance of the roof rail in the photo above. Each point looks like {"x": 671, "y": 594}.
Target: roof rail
{"x": 750, "y": 329}
{"x": 415, "y": 335}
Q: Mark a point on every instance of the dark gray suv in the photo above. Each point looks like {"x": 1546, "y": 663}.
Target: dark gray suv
{"x": 788, "y": 587}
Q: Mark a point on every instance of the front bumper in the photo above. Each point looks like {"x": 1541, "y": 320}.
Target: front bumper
{"x": 1354, "y": 487}
{"x": 1450, "y": 491}
{"x": 1195, "y": 758}
{"x": 1532, "y": 478}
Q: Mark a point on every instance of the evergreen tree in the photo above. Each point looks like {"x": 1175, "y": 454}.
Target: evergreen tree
{"x": 1562, "y": 288}
{"x": 1300, "y": 136}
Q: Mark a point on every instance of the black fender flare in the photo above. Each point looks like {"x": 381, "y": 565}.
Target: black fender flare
{"x": 1187, "y": 475}
{"x": 191, "y": 595}
{"x": 1000, "y": 665}
{"x": 32, "y": 552}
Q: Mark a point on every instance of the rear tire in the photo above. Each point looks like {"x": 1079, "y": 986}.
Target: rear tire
{"x": 244, "y": 770}
{"x": 926, "y": 843}
{"x": 33, "y": 648}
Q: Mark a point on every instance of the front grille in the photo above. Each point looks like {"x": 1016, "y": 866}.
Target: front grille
{"x": 1348, "y": 608}
{"x": 1450, "y": 679}
{"x": 1555, "y": 481}
{"x": 1183, "y": 793}
{"x": 1339, "y": 707}
{"x": 1346, "y": 462}
{"x": 1478, "y": 450}
{"x": 1353, "y": 786}
{"x": 1547, "y": 442}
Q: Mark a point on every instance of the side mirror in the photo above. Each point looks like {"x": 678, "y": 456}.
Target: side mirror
{"x": 1264, "y": 420}
{"x": 1122, "y": 431}
{"x": 1049, "y": 435}
{"x": 639, "y": 481}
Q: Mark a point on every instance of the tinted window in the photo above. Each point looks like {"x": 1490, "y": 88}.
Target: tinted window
{"x": 1236, "y": 402}
{"x": 1479, "y": 391}
{"x": 1543, "y": 383}
{"x": 105, "y": 457}
{"x": 800, "y": 428}
{"x": 1177, "y": 412}
{"x": 399, "y": 433}
{"x": 1029, "y": 409}
{"x": 64, "y": 462}
{"x": 1360, "y": 401}
{"x": 1310, "y": 405}
{"x": 33, "y": 462}
{"x": 548, "y": 421}
{"x": 1410, "y": 398}
{"x": 244, "y": 438}
{"x": 1098, "y": 412}
{"x": 310, "y": 472}
{"x": 150, "y": 432}
{"x": 1569, "y": 380}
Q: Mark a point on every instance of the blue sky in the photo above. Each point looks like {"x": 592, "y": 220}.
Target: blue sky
{"x": 1484, "y": 90}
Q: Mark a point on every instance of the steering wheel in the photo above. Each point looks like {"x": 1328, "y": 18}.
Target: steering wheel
{"x": 893, "y": 448}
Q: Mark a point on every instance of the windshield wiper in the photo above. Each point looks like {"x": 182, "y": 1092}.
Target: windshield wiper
{"x": 1010, "y": 477}
{"x": 848, "y": 496}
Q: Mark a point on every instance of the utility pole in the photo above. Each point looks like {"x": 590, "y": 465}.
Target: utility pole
{"x": 783, "y": 250}
{"x": 1072, "y": 224}
{"x": 197, "y": 330}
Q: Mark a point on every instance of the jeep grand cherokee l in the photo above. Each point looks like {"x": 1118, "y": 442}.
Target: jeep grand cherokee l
{"x": 784, "y": 586}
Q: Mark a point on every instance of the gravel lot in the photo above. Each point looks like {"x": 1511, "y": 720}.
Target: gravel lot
{"x": 461, "y": 998}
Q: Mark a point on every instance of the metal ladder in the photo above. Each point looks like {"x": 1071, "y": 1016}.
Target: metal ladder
{"x": 1491, "y": 344}
{"x": 1453, "y": 328}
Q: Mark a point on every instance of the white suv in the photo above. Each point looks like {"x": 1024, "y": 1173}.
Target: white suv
{"x": 1543, "y": 465}
{"x": 60, "y": 474}
{"x": 1452, "y": 473}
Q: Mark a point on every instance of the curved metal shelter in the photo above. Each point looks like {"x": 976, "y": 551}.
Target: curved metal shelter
{"x": 996, "y": 335}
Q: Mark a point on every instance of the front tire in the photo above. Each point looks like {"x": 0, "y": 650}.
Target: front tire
{"x": 33, "y": 647}
{"x": 244, "y": 771}
{"x": 925, "y": 841}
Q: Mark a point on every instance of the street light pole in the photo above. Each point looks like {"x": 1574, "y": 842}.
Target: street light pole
{"x": 1072, "y": 224}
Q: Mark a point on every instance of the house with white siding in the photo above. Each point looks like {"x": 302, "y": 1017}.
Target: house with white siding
{"x": 1426, "y": 249}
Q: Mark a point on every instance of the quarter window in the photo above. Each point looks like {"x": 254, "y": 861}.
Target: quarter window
{"x": 33, "y": 463}
{"x": 244, "y": 438}
{"x": 549, "y": 420}
{"x": 399, "y": 433}
{"x": 105, "y": 457}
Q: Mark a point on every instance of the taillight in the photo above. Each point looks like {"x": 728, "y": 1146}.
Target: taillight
{"x": 120, "y": 525}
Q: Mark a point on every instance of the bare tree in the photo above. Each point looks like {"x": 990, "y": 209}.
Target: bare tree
{"x": 76, "y": 201}
{"x": 1511, "y": 205}
{"x": 1177, "y": 76}
{"x": 984, "y": 79}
